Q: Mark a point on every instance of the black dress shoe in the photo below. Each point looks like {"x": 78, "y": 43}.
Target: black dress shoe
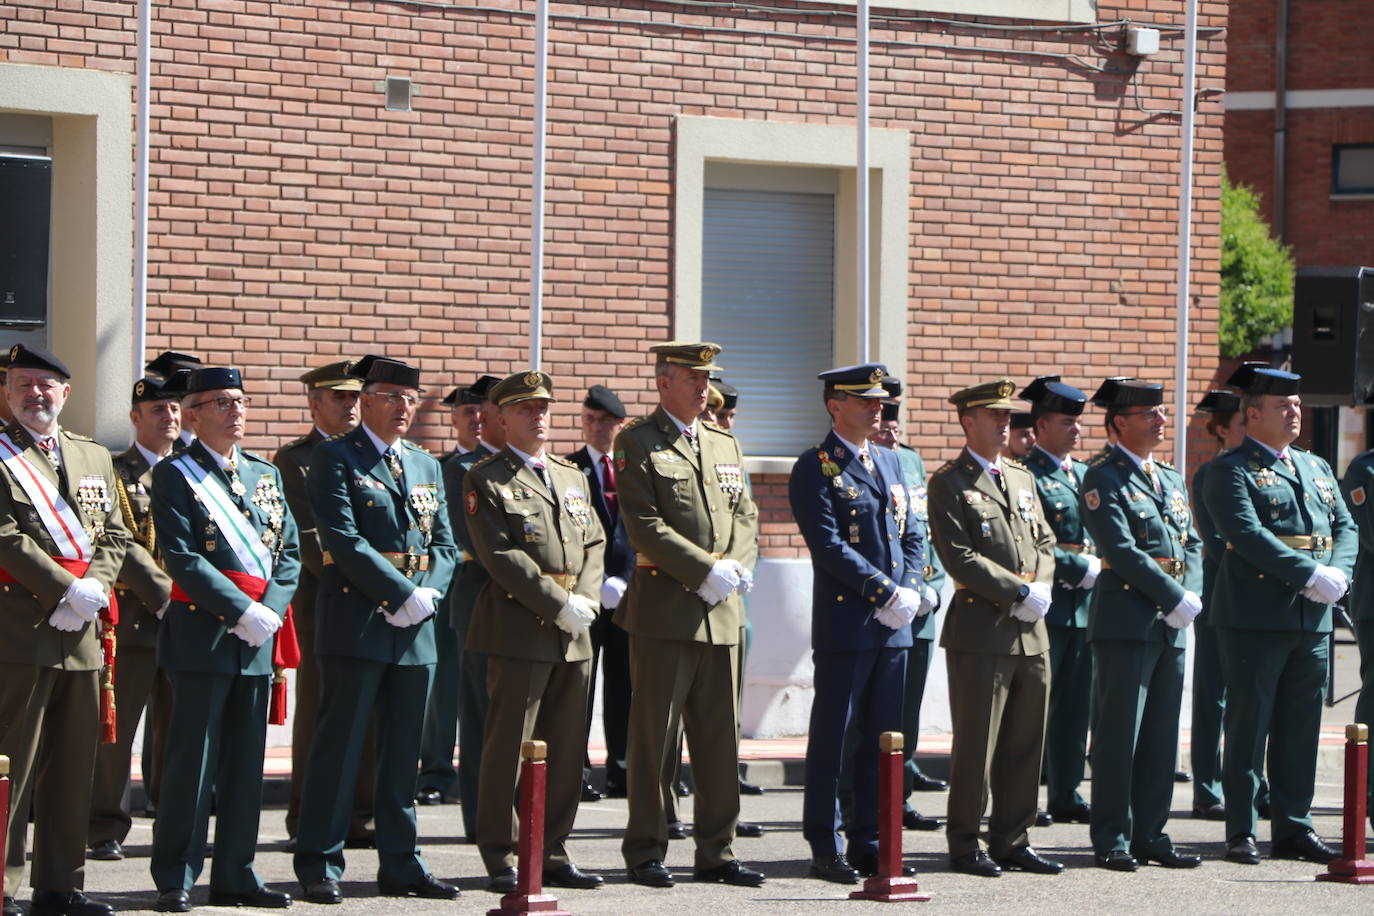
{"x": 1182, "y": 776}
{"x": 427, "y": 886}
{"x": 731, "y": 872}
{"x": 1242, "y": 850}
{"x": 1216, "y": 811}
{"x": 1024, "y": 858}
{"x": 325, "y": 890}
{"x": 1306, "y": 847}
{"x": 12, "y": 907}
{"x": 150, "y": 810}
{"x": 1262, "y": 809}
{"x": 868, "y": 866}
{"x": 66, "y": 903}
{"x": 569, "y": 875}
{"x": 503, "y": 881}
{"x": 1078, "y": 813}
{"x": 366, "y": 840}
{"x": 681, "y": 789}
{"x": 175, "y": 900}
{"x": 616, "y": 789}
{"x": 915, "y": 820}
{"x": 923, "y": 783}
{"x": 677, "y": 830}
{"x": 261, "y": 897}
{"x": 590, "y": 794}
{"x": 1116, "y": 860}
{"x": 748, "y": 829}
{"x": 1043, "y": 819}
{"x": 106, "y": 851}
{"x": 975, "y": 863}
{"x": 650, "y": 874}
{"x": 748, "y": 788}
{"x": 429, "y": 797}
{"x": 1169, "y": 859}
{"x": 834, "y": 868}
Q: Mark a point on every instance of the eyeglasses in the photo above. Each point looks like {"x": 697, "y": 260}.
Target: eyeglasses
{"x": 409, "y": 400}
{"x": 224, "y": 405}
{"x": 1160, "y": 412}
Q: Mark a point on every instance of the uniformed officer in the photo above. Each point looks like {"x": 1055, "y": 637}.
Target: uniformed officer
{"x": 1056, "y": 408}
{"x": 142, "y": 592}
{"x": 603, "y": 416}
{"x": 535, "y": 530}
{"x": 465, "y": 416}
{"x": 1102, "y": 398}
{"x": 729, "y": 404}
{"x": 999, "y": 550}
{"x": 1226, "y": 424}
{"x": 230, "y": 544}
{"x": 1358, "y": 487}
{"x": 382, "y": 523}
{"x": 63, "y": 546}
{"x": 1136, "y": 510}
{"x": 332, "y": 398}
{"x": 695, "y": 528}
{"x": 468, "y": 579}
{"x": 174, "y": 368}
{"x": 1293, "y": 546}
{"x": 1021, "y": 439}
{"x": 850, "y": 502}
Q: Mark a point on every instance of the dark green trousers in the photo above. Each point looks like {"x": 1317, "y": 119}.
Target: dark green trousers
{"x": 1275, "y": 685}
{"x": 1139, "y": 692}
{"x": 1066, "y": 728}
{"x": 215, "y": 750}
{"x": 1364, "y": 706}
{"x": 1209, "y": 710}
{"x": 918, "y": 659}
{"x": 134, "y": 689}
{"x": 472, "y": 726}
{"x": 441, "y": 716}
{"x": 350, "y": 689}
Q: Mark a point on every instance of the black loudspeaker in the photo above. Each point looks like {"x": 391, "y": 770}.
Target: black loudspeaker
{"x": 25, "y": 217}
{"x": 1333, "y": 334}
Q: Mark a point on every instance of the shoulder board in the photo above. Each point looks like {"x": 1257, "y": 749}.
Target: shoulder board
{"x": 636, "y": 423}
{"x": 947, "y": 466}
{"x": 415, "y": 446}
{"x": 1016, "y": 463}
{"x": 1099, "y": 459}
{"x": 77, "y": 436}
{"x": 483, "y": 462}
{"x": 254, "y": 458}
{"x": 1165, "y": 464}
{"x": 1294, "y": 448}
{"x": 559, "y": 459}
{"x": 295, "y": 443}
{"x": 336, "y": 436}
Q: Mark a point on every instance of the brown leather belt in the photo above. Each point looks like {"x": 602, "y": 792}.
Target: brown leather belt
{"x": 643, "y": 562}
{"x": 1174, "y": 566}
{"x": 1024, "y": 577}
{"x": 1306, "y": 541}
{"x": 408, "y": 563}
{"x": 1074, "y": 548}
{"x": 565, "y": 581}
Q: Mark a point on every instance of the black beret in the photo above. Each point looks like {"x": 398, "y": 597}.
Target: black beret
{"x": 599, "y": 397}
{"x": 212, "y": 379}
{"x": 1021, "y": 419}
{"x": 170, "y": 361}
{"x": 151, "y": 389}
{"x": 22, "y": 357}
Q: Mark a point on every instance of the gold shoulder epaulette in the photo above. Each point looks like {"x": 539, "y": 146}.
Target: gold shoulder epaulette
{"x": 638, "y": 422}
{"x": 78, "y": 436}
{"x": 559, "y": 459}
{"x": 947, "y": 466}
{"x": 295, "y": 443}
{"x": 1165, "y": 464}
{"x": 483, "y": 462}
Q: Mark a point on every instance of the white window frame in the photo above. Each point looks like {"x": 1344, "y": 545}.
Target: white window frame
{"x": 1046, "y": 10}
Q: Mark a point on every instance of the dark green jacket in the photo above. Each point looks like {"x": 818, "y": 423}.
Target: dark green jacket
{"x": 1058, "y": 493}
{"x": 914, "y": 474}
{"x": 1133, "y": 527}
{"x": 1213, "y": 544}
{"x": 471, "y": 574}
{"x": 1358, "y": 487}
{"x": 1254, "y": 499}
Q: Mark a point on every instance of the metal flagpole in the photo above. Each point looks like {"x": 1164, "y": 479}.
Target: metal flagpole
{"x": 145, "y": 41}
{"x": 541, "y": 91}
{"x": 861, "y": 230}
{"x": 1185, "y": 237}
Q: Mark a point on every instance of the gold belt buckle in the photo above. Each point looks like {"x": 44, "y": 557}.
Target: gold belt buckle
{"x": 1321, "y": 542}
{"x": 928, "y": 572}
{"x": 1175, "y": 566}
{"x": 411, "y": 564}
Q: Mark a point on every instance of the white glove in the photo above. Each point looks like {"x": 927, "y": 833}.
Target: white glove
{"x": 723, "y": 579}
{"x": 890, "y": 617}
{"x": 746, "y": 582}
{"x": 1094, "y": 569}
{"x": 256, "y": 624}
{"x": 1035, "y": 605}
{"x": 1188, "y": 608}
{"x": 86, "y": 597}
{"x": 1327, "y": 585}
{"x": 420, "y": 605}
{"x": 66, "y": 619}
{"x": 612, "y": 590}
{"x": 400, "y": 619}
{"x": 576, "y": 615}
{"x": 162, "y": 611}
{"x": 907, "y": 602}
{"x": 930, "y": 600}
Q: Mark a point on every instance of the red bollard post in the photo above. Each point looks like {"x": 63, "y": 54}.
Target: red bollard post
{"x": 889, "y": 885}
{"x": 1352, "y": 867}
{"x": 4, "y": 814}
{"x": 529, "y": 896}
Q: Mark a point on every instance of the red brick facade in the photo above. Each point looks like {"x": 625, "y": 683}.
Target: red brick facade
{"x": 294, "y": 220}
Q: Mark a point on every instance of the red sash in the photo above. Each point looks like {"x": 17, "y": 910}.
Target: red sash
{"x": 286, "y": 649}
{"x": 110, "y": 617}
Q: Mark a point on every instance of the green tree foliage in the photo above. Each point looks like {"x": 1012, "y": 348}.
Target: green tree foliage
{"x": 1256, "y": 273}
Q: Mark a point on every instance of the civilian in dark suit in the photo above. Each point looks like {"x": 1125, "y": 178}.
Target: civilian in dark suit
{"x": 603, "y": 416}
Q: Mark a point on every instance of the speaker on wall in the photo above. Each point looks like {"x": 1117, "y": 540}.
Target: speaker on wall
{"x": 26, "y": 189}
{"x": 1333, "y": 334}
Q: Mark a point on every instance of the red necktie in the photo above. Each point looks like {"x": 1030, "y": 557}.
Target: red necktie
{"x": 608, "y": 487}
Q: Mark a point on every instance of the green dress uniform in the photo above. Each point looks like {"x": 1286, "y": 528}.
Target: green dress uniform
{"x": 1358, "y": 487}
{"x": 683, "y": 511}
{"x": 384, "y": 535}
{"x": 220, "y": 684}
{"x": 541, "y": 542}
{"x": 142, "y": 589}
{"x": 1151, "y": 556}
{"x": 293, "y": 461}
{"x": 1071, "y": 665}
{"x": 992, "y": 541}
{"x": 1280, "y": 523}
{"x": 50, "y": 679}
{"x": 467, "y": 584}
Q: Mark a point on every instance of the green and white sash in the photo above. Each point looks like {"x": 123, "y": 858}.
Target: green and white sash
{"x": 240, "y": 534}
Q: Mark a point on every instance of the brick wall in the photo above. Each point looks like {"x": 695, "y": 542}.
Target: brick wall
{"x": 294, "y": 220}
